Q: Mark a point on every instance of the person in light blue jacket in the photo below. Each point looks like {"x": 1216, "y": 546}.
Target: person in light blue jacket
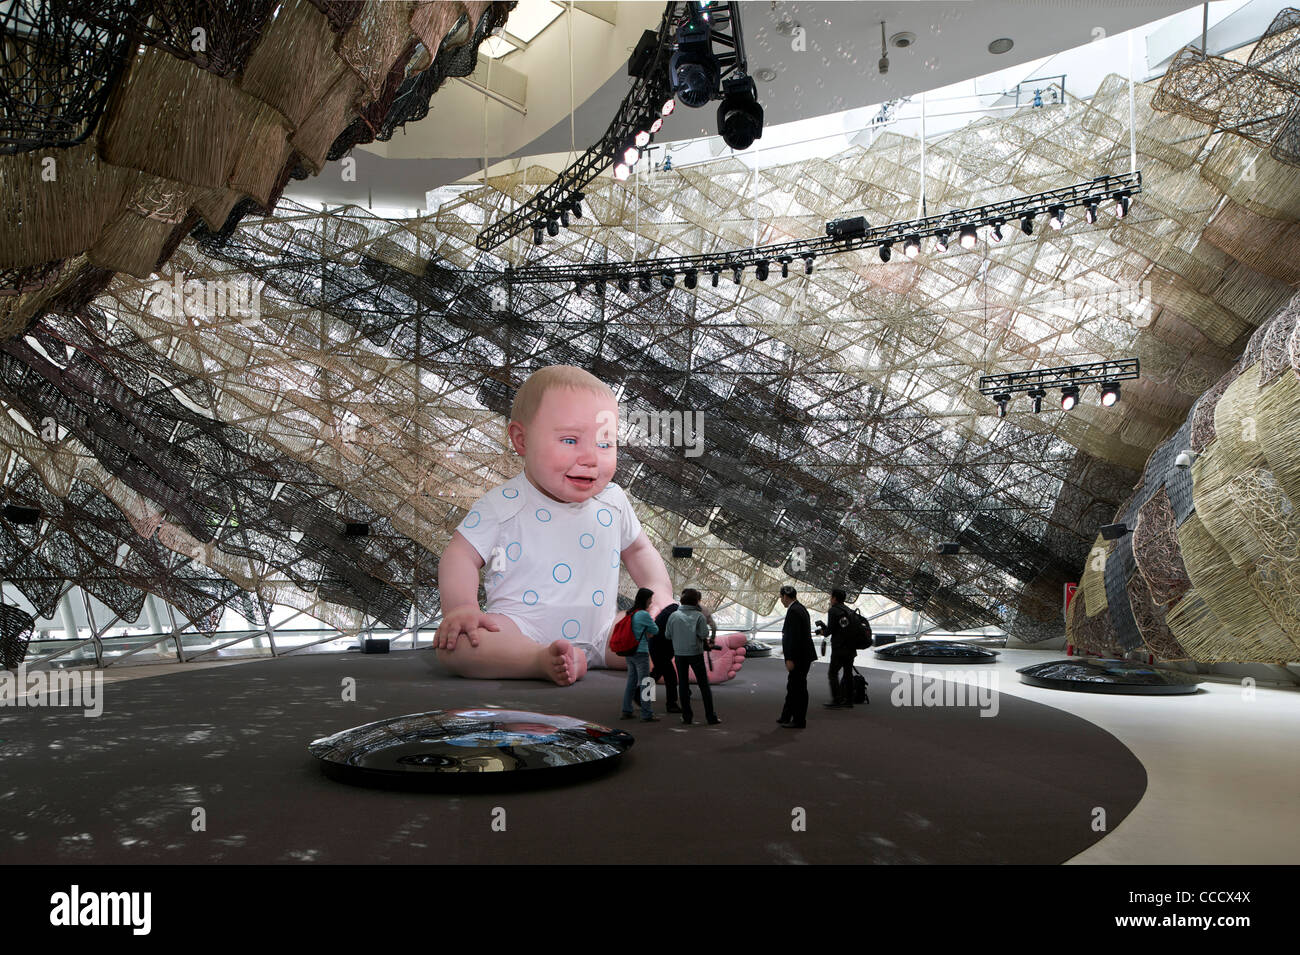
{"x": 638, "y": 663}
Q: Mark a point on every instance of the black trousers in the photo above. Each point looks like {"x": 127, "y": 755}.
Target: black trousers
{"x": 841, "y": 675}
{"x": 661, "y": 665}
{"x": 684, "y": 667}
{"x": 795, "y": 709}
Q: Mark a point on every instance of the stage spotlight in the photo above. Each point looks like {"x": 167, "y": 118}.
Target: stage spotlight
{"x": 693, "y": 69}
{"x": 968, "y": 237}
{"x": 644, "y": 282}
{"x": 736, "y": 271}
{"x": 740, "y": 117}
{"x": 657, "y": 125}
{"x": 941, "y": 242}
{"x": 668, "y": 279}
{"x": 1002, "y": 400}
{"x": 692, "y": 277}
{"x": 947, "y": 548}
{"x": 785, "y": 267}
{"x": 577, "y": 204}
{"x": 1090, "y": 211}
{"x": 641, "y": 139}
{"x": 995, "y": 229}
{"x": 625, "y": 286}
{"x": 807, "y": 264}
{"x": 1109, "y": 393}
{"x": 621, "y": 171}
{"x": 886, "y": 251}
{"x": 631, "y": 154}
{"x": 670, "y": 104}
{"x": 538, "y": 230}
{"x": 1027, "y": 224}
{"x": 1037, "y": 394}
{"x": 564, "y": 218}
{"x": 1056, "y": 216}
{"x": 1069, "y": 397}
{"x": 912, "y": 246}
{"x": 579, "y": 286}
{"x": 714, "y": 280}
{"x": 1120, "y": 207}
{"x": 760, "y": 270}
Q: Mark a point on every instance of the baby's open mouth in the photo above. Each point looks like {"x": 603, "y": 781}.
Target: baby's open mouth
{"x": 581, "y": 481}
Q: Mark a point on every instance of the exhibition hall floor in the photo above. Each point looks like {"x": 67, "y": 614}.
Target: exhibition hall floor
{"x": 1207, "y": 778}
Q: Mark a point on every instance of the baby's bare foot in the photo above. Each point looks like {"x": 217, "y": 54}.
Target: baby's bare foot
{"x": 728, "y": 660}
{"x": 563, "y": 663}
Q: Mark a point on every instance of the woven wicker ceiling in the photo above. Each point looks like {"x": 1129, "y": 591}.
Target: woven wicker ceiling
{"x": 843, "y": 433}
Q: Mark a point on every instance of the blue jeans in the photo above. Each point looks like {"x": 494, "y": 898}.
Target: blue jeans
{"x": 638, "y": 669}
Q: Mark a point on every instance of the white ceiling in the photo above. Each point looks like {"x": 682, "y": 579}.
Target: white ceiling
{"x": 835, "y": 70}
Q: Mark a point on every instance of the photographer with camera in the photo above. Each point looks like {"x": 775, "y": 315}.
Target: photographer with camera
{"x": 843, "y": 653}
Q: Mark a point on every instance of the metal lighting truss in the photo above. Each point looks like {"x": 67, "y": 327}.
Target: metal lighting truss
{"x": 1098, "y": 190}
{"x": 1095, "y": 373}
{"x": 642, "y": 103}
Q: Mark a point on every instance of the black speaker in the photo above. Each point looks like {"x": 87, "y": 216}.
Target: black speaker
{"x": 373, "y": 645}
{"x": 682, "y": 551}
{"x": 355, "y": 529}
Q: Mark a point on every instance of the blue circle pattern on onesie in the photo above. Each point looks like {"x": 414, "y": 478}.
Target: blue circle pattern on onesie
{"x": 586, "y": 542}
{"x": 530, "y": 597}
{"x": 613, "y": 561}
{"x": 598, "y": 598}
{"x": 472, "y": 519}
{"x": 542, "y": 514}
{"x": 562, "y": 569}
{"x": 605, "y": 516}
{"x": 571, "y": 632}
{"x": 510, "y": 493}
{"x": 513, "y": 549}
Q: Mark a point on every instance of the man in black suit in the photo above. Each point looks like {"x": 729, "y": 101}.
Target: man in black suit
{"x": 661, "y": 658}
{"x": 797, "y": 648}
{"x": 843, "y": 652}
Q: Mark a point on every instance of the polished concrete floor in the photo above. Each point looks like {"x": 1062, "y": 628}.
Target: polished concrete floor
{"x": 1223, "y": 766}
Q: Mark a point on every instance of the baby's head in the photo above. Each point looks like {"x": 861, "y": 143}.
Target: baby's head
{"x": 564, "y": 422}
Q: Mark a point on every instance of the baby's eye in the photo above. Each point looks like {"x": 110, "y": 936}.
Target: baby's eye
{"x": 604, "y": 444}
{"x": 574, "y": 440}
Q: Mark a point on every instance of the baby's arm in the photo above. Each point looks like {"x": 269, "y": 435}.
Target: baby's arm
{"x": 458, "y": 593}
{"x": 647, "y": 569}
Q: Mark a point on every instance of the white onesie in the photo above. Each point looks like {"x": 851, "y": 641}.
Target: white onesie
{"x": 552, "y": 567}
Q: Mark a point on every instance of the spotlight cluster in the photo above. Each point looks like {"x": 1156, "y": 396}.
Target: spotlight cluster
{"x": 990, "y": 225}
{"x": 572, "y": 206}
{"x": 852, "y": 233}
{"x": 1069, "y": 379}
{"x": 698, "y": 75}
{"x": 629, "y": 153}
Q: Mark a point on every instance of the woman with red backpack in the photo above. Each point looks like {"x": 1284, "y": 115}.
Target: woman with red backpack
{"x": 642, "y": 627}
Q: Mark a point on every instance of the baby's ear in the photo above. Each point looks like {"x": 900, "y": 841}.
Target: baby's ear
{"x": 516, "y": 435}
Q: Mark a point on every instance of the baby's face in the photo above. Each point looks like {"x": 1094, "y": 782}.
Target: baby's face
{"x": 570, "y": 451}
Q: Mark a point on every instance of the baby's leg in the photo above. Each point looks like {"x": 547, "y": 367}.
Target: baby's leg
{"x": 508, "y": 654}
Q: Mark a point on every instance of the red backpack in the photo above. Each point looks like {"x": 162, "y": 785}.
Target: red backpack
{"x": 621, "y": 639}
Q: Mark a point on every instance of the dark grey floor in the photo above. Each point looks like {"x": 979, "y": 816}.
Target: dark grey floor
{"x": 877, "y": 784}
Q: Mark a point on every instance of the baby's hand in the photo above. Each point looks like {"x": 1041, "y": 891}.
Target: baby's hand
{"x": 463, "y": 621}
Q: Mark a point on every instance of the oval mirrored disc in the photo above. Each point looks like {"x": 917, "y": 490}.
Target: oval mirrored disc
{"x": 1108, "y": 676}
{"x": 470, "y": 748}
{"x": 936, "y": 651}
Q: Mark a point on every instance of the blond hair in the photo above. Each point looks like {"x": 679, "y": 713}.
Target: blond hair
{"x": 529, "y": 397}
